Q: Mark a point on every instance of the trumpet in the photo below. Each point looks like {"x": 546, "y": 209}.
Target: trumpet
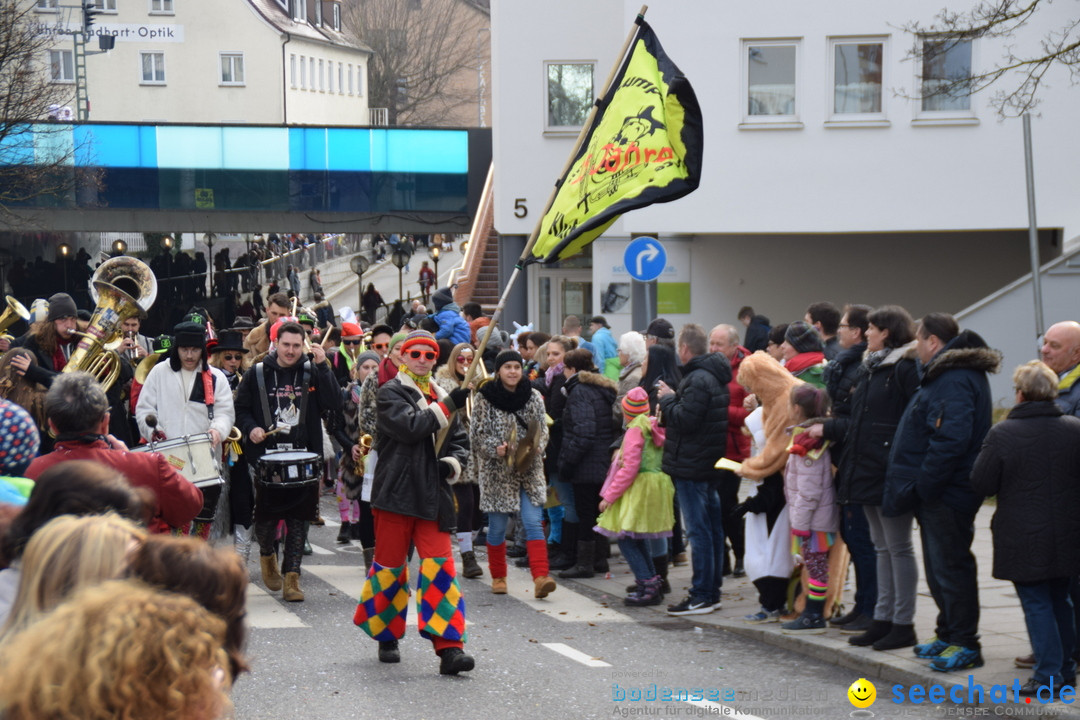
{"x": 13, "y": 312}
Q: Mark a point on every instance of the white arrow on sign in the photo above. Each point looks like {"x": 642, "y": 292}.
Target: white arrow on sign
{"x": 650, "y": 252}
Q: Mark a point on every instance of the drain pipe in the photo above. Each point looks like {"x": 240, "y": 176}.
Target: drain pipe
{"x": 286, "y": 69}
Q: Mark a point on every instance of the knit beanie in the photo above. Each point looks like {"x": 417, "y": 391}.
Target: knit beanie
{"x": 367, "y": 355}
{"x": 61, "y": 306}
{"x": 634, "y": 403}
{"x": 508, "y": 356}
{"x": 442, "y": 298}
{"x": 19, "y": 439}
{"x": 418, "y": 339}
{"x": 804, "y": 338}
{"x": 189, "y": 334}
{"x": 395, "y": 339}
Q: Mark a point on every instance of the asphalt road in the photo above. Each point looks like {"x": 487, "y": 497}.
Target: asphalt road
{"x": 575, "y": 654}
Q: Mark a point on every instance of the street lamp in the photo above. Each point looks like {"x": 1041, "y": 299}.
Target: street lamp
{"x": 435, "y": 251}
{"x": 65, "y": 254}
{"x": 119, "y": 247}
{"x": 400, "y": 259}
{"x": 167, "y": 243}
{"x": 359, "y": 265}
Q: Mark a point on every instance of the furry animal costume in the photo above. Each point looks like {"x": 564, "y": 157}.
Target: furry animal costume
{"x": 762, "y": 375}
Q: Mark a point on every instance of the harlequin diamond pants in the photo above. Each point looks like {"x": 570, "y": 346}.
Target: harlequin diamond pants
{"x": 384, "y": 601}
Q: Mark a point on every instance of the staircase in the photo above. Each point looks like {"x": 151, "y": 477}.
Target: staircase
{"x": 477, "y": 279}
{"x": 486, "y": 290}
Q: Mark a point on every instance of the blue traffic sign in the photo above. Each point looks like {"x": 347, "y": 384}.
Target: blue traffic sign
{"x": 645, "y": 258}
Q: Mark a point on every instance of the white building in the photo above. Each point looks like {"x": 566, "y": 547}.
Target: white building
{"x": 228, "y": 61}
{"x": 823, "y": 179}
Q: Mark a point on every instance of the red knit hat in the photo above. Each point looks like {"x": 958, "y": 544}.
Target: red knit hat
{"x": 351, "y": 330}
{"x": 420, "y": 338}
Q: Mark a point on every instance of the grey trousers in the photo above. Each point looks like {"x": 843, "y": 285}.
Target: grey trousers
{"x": 897, "y": 569}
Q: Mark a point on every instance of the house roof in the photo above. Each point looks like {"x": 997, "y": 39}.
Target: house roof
{"x": 279, "y": 17}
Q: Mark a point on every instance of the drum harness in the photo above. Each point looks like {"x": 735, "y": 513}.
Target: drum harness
{"x": 305, "y": 379}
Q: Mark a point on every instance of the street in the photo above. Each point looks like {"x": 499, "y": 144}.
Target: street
{"x": 576, "y": 654}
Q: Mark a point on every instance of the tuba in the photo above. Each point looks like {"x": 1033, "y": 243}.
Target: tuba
{"x": 12, "y": 313}
{"x": 123, "y": 287}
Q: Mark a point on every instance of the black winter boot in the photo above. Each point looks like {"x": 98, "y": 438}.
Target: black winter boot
{"x": 660, "y": 562}
{"x": 878, "y": 630}
{"x": 601, "y": 554}
{"x": 567, "y": 555}
{"x": 584, "y": 566}
{"x": 901, "y": 636}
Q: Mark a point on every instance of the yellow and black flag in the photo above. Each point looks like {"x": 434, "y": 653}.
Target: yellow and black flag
{"x": 644, "y": 147}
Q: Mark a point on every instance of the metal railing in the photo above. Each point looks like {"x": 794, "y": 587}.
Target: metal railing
{"x": 378, "y": 117}
{"x": 463, "y": 278}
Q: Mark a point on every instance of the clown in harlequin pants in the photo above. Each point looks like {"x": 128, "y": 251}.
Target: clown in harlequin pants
{"x": 384, "y": 601}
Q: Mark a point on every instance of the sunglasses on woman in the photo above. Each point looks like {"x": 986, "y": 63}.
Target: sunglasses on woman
{"x": 464, "y": 358}
{"x": 352, "y": 342}
{"x": 233, "y": 357}
{"x": 380, "y": 346}
{"x": 426, "y": 354}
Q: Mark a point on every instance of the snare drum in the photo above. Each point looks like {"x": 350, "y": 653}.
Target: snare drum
{"x": 194, "y": 458}
{"x": 289, "y": 469}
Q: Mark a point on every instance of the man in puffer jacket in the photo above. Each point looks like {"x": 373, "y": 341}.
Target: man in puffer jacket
{"x": 696, "y": 417}
{"x": 934, "y": 449}
{"x": 447, "y": 313}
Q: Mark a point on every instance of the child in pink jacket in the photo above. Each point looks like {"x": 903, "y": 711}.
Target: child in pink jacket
{"x": 811, "y": 497}
{"x": 636, "y": 501}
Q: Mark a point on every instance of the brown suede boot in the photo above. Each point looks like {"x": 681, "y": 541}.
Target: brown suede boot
{"x": 271, "y": 576}
{"x": 293, "y": 593}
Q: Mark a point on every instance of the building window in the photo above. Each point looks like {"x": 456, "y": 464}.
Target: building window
{"x": 61, "y": 66}
{"x": 300, "y": 10}
{"x": 161, "y": 7}
{"x": 341, "y": 78}
{"x": 311, "y": 83}
{"x": 292, "y": 71}
{"x": 858, "y": 79}
{"x": 108, "y": 6}
{"x": 232, "y": 68}
{"x": 46, "y": 5}
{"x": 303, "y": 73}
{"x": 946, "y": 76}
{"x": 360, "y": 80}
{"x": 322, "y": 76}
{"x": 318, "y": 13}
{"x": 771, "y": 77}
{"x": 335, "y": 16}
{"x": 330, "y": 75}
{"x": 350, "y": 79}
{"x": 153, "y": 68}
{"x": 569, "y": 94}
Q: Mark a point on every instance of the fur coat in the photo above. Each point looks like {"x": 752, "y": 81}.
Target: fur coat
{"x": 500, "y": 485}
{"x": 763, "y": 376}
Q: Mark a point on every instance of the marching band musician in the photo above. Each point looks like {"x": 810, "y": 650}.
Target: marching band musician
{"x": 230, "y": 356}
{"x": 51, "y": 341}
{"x": 343, "y": 359}
{"x": 279, "y": 405}
{"x": 187, "y": 396}
{"x": 78, "y": 413}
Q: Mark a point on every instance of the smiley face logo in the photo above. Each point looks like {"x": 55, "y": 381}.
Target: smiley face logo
{"x": 862, "y": 693}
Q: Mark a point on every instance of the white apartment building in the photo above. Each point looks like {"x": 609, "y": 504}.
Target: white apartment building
{"x": 826, "y": 175}
{"x": 226, "y": 61}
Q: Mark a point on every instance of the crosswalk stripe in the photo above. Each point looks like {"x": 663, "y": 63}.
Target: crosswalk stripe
{"x": 319, "y": 550}
{"x": 576, "y": 655}
{"x": 264, "y": 611}
{"x": 721, "y": 710}
{"x": 564, "y": 604}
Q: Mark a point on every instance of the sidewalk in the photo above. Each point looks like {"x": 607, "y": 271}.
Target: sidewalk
{"x": 1001, "y": 624}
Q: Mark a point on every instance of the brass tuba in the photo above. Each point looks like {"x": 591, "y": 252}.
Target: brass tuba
{"x": 123, "y": 287}
{"x": 12, "y": 313}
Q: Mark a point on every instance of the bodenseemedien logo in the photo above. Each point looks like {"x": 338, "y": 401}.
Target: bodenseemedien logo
{"x": 862, "y": 693}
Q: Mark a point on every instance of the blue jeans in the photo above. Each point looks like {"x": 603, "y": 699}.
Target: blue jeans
{"x": 638, "y": 557}
{"x": 950, "y": 571}
{"x": 1048, "y": 613}
{"x": 856, "y": 533}
{"x": 532, "y": 519}
{"x": 566, "y": 498}
{"x": 704, "y": 520}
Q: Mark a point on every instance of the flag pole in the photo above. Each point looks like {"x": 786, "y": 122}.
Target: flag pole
{"x": 535, "y": 235}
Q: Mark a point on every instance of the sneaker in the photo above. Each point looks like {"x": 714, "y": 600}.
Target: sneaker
{"x": 717, "y": 605}
{"x": 1025, "y": 662}
{"x": 762, "y": 616}
{"x": 956, "y": 657}
{"x": 930, "y": 649}
{"x": 690, "y": 606}
{"x": 805, "y": 624}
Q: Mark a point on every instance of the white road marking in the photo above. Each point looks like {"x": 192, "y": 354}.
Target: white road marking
{"x": 265, "y": 611}
{"x": 722, "y": 710}
{"x": 320, "y": 550}
{"x": 564, "y": 604}
{"x": 349, "y": 579}
{"x": 575, "y": 655}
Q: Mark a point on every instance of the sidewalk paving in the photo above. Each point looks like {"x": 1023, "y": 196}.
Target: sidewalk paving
{"x": 1001, "y": 625}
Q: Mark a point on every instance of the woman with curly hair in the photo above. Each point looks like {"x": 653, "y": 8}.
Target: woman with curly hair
{"x": 66, "y": 554}
{"x": 118, "y": 650}
{"x": 506, "y": 407}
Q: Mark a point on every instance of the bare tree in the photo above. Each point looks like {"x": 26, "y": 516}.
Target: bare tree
{"x": 425, "y": 56}
{"x": 1020, "y": 73}
{"x": 35, "y": 163}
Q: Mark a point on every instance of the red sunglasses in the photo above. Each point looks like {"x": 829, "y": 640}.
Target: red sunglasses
{"x": 427, "y": 354}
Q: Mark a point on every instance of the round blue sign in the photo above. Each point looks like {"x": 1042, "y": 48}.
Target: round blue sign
{"x": 645, "y": 258}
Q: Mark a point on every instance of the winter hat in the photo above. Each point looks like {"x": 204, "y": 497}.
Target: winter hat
{"x": 508, "y": 356}
{"x": 395, "y": 339}
{"x": 634, "y": 403}
{"x": 367, "y": 355}
{"x": 442, "y": 298}
{"x": 419, "y": 339}
{"x": 61, "y": 306}
{"x": 19, "y": 439}
{"x": 189, "y": 334}
{"x": 499, "y": 340}
{"x": 804, "y": 338}
{"x": 39, "y": 310}
{"x": 350, "y": 330}
{"x": 661, "y": 328}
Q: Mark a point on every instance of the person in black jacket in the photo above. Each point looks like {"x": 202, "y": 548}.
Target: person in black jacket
{"x": 585, "y": 455}
{"x": 696, "y": 420}
{"x": 840, "y": 377}
{"x": 286, "y": 394}
{"x": 886, "y": 380}
{"x": 757, "y": 329}
{"x": 1031, "y": 462}
{"x": 550, "y": 384}
{"x": 413, "y": 503}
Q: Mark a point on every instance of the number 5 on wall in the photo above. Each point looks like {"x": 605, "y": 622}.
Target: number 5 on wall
{"x": 520, "y": 210}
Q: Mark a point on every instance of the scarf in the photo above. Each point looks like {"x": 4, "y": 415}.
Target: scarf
{"x": 422, "y": 381}
{"x": 872, "y": 359}
{"x": 387, "y": 370}
{"x": 1069, "y": 378}
{"x": 804, "y": 360}
{"x": 551, "y": 372}
{"x": 502, "y": 399}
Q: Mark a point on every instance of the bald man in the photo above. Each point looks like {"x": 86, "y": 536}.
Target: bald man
{"x": 1061, "y": 352}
